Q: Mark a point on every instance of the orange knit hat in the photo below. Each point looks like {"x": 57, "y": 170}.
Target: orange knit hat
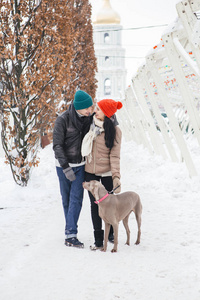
{"x": 109, "y": 106}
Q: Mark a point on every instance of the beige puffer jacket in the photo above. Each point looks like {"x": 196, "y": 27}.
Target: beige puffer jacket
{"x": 104, "y": 159}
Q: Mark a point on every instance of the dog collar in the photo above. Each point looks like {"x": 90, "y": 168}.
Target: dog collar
{"x": 104, "y": 197}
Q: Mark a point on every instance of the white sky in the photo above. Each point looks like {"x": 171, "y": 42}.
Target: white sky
{"x": 138, "y": 14}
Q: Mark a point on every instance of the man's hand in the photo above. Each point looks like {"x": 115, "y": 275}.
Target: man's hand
{"x": 69, "y": 173}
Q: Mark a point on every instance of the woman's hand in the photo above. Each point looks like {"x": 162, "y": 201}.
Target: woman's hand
{"x": 116, "y": 182}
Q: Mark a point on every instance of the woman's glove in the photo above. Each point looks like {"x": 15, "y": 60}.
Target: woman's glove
{"x": 69, "y": 173}
{"x": 116, "y": 182}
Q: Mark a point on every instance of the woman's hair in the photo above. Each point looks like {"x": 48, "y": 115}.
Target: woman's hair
{"x": 110, "y": 132}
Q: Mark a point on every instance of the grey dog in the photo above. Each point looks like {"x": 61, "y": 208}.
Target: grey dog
{"x": 114, "y": 208}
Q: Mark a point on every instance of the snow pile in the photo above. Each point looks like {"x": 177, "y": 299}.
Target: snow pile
{"x": 35, "y": 263}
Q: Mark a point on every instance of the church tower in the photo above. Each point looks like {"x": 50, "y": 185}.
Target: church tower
{"x": 110, "y": 55}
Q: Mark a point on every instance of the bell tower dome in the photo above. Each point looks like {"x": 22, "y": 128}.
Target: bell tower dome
{"x": 106, "y": 15}
{"x": 111, "y": 75}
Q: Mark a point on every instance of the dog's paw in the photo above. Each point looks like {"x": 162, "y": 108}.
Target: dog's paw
{"x": 103, "y": 250}
{"x": 113, "y": 250}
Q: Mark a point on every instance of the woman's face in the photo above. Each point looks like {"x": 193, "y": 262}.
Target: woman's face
{"x": 99, "y": 114}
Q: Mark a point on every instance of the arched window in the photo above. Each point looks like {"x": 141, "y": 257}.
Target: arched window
{"x": 107, "y": 58}
{"x": 107, "y": 87}
{"x": 106, "y": 38}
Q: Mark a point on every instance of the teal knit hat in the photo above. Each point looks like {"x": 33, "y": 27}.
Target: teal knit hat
{"x": 82, "y": 100}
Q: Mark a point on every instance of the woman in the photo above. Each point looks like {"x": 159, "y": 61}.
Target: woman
{"x": 101, "y": 146}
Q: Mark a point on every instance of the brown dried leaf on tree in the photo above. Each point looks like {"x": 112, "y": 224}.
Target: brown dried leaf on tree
{"x": 46, "y": 54}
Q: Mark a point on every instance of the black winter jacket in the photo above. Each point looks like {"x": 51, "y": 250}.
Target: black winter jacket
{"x": 68, "y": 134}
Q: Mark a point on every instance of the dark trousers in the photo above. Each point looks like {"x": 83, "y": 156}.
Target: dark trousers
{"x": 108, "y": 184}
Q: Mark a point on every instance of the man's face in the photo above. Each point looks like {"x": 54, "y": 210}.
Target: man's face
{"x": 85, "y": 112}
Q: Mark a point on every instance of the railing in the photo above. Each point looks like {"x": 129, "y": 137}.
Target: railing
{"x": 162, "y": 103}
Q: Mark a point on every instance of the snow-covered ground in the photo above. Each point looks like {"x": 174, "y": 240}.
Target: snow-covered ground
{"x": 35, "y": 263}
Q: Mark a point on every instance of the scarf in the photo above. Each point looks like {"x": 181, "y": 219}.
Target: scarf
{"x": 96, "y": 128}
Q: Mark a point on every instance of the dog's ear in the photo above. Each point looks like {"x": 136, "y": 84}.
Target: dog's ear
{"x": 96, "y": 190}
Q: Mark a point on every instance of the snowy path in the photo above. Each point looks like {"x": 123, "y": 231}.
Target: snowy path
{"x": 35, "y": 264}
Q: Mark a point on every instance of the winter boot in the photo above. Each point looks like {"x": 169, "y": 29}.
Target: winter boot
{"x": 98, "y": 237}
{"x": 74, "y": 242}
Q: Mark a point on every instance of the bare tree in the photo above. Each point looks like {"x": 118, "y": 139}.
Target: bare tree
{"x": 36, "y": 51}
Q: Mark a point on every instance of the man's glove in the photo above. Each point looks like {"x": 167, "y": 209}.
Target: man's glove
{"x": 116, "y": 182}
{"x": 69, "y": 173}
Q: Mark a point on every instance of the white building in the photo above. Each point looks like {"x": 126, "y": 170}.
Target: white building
{"x": 110, "y": 55}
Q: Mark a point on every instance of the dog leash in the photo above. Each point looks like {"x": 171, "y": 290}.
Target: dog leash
{"x": 111, "y": 192}
{"x": 104, "y": 197}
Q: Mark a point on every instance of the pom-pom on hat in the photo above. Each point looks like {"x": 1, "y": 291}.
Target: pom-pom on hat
{"x": 82, "y": 100}
{"x": 109, "y": 106}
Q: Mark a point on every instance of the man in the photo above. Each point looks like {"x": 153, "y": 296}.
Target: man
{"x": 69, "y": 130}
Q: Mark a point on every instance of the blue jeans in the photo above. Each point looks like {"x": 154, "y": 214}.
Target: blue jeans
{"x": 72, "y": 198}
